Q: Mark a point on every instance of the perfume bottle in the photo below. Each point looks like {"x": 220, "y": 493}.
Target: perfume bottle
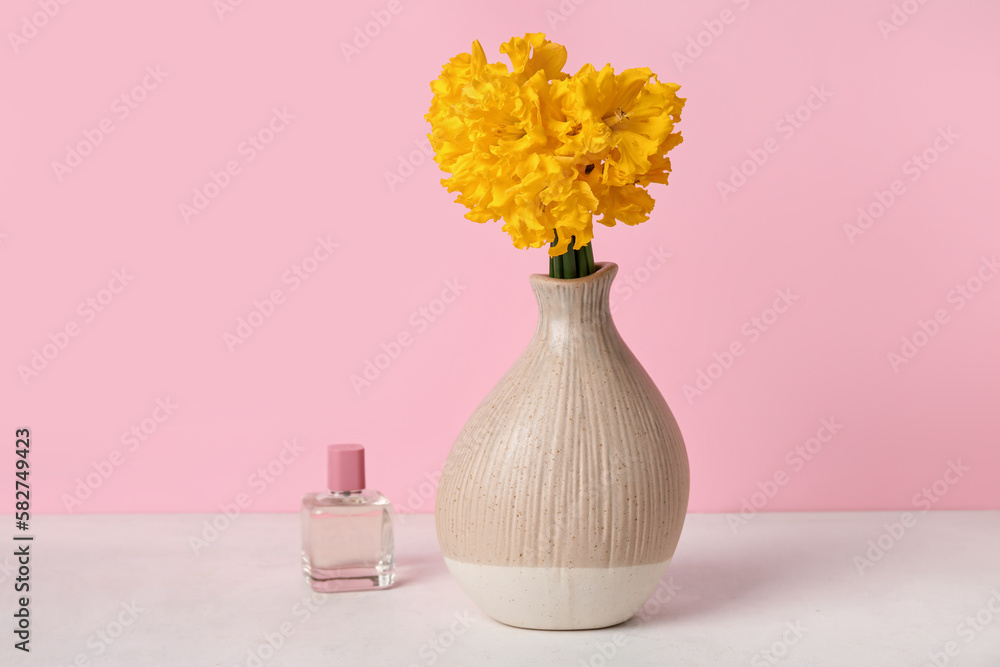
{"x": 347, "y": 540}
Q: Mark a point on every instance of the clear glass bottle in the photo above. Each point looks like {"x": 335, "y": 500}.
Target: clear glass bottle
{"x": 347, "y": 541}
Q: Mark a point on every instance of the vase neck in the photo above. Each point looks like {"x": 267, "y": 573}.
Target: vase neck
{"x": 576, "y": 302}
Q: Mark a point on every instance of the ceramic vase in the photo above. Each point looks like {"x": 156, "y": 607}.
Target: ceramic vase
{"x": 563, "y": 497}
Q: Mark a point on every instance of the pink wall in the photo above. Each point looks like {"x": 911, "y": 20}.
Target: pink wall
{"x": 338, "y": 127}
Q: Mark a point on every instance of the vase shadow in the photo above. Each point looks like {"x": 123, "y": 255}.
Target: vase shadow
{"x": 715, "y": 574}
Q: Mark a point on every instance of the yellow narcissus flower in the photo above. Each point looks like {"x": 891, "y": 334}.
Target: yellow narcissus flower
{"x": 545, "y": 151}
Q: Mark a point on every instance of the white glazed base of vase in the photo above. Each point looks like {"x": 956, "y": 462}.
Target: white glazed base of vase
{"x": 558, "y": 598}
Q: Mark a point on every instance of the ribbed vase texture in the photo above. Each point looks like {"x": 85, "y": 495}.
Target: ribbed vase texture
{"x": 563, "y": 497}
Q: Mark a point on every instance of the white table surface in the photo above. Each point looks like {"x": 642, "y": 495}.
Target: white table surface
{"x": 730, "y": 597}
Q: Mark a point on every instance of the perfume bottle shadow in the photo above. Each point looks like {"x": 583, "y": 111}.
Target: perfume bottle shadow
{"x": 421, "y": 569}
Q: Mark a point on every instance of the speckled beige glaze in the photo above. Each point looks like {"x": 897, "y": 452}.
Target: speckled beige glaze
{"x": 573, "y": 460}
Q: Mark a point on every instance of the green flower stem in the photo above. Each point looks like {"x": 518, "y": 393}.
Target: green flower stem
{"x": 574, "y": 263}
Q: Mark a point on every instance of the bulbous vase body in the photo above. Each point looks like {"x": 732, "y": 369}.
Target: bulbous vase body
{"x": 563, "y": 497}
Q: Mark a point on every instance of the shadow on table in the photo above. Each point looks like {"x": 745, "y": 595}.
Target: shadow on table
{"x": 726, "y": 573}
{"x": 424, "y": 567}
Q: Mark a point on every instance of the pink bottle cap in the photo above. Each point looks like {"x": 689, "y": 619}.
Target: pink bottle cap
{"x": 345, "y": 467}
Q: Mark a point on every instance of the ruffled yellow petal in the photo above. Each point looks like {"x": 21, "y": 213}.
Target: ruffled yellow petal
{"x": 534, "y": 53}
{"x": 544, "y": 151}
